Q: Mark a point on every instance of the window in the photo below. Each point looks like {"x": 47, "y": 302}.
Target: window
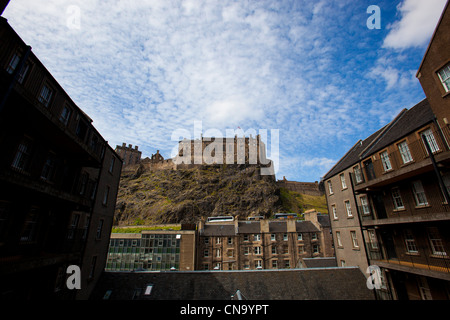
{"x": 299, "y": 236}
{"x": 274, "y": 249}
{"x": 93, "y": 263}
{"x": 105, "y": 196}
{"x": 245, "y": 237}
{"x": 285, "y": 237}
{"x": 333, "y": 209}
{"x": 272, "y": 237}
{"x": 365, "y": 205}
{"x": 338, "y": 238}
{"x": 301, "y": 249}
{"x": 373, "y": 239}
{"x": 444, "y": 76}
{"x": 396, "y": 197}
{"x": 65, "y": 115}
{"x": 419, "y": 194}
{"x": 274, "y": 264}
{"x": 218, "y": 240}
{"x": 358, "y": 175}
{"x": 13, "y": 63}
{"x": 111, "y": 165}
{"x": 257, "y": 250}
{"x": 410, "y": 242}
{"x": 316, "y": 248}
{"x": 73, "y": 226}
{"x": 206, "y": 240}
{"x": 343, "y": 183}
{"x": 435, "y": 238}
{"x": 23, "y": 155}
{"x": 258, "y": 264}
{"x": 46, "y": 95}
{"x": 385, "y": 160}
{"x": 257, "y": 237}
{"x": 206, "y": 253}
{"x": 30, "y": 225}
{"x": 404, "y": 152}
{"x": 348, "y": 208}
{"x": 48, "y": 170}
{"x": 246, "y": 251}
{"x": 313, "y": 236}
{"x": 354, "y": 239}
{"x": 429, "y": 137}
{"x": 217, "y": 253}
{"x": 330, "y": 187}
{"x": 99, "y": 229}
{"x": 230, "y": 240}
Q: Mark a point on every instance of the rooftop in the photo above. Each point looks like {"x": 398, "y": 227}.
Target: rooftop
{"x": 292, "y": 284}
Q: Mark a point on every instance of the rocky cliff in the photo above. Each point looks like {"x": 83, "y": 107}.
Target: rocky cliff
{"x": 183, "y": 196}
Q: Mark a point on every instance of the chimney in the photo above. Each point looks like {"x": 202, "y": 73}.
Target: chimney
{"x": 136, "y": 148}
{"x": 264, "y": 225}
{"x": 311, "y": 215}
{"x": 291, "y": 225}
{"x": 124, "y": 145}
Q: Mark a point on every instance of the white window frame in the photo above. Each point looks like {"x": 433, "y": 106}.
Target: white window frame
{"x": 405, "y": 152}
{"x": 334, "y": 211}
{"x": 419, "y": 193}
{"x": 358, "y": 174}
{"x": 397, "y": 199}
{"x": 410, "y": 242}
{"x": 343, "y": 183}
{"x": 348, "y": 207}
{"x": 354, "y": 239}
{"x": 365, "y": 205}
{"x": 429, "y": 136}
{"x": 384, "y": 156}
{"x": 330, "y": 187}
{"x": 338, "y": 239}
{"x": 444, "y": 76}
{"x": 437, "y": 246}
{"x": 45, "y": 95}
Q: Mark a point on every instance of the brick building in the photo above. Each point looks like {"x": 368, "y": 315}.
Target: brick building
{"x": 263, "y": 244}
{"x": 388, "y": 197}
{"x": 58, "y": 181}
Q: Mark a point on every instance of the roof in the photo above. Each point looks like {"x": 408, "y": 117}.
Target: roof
{"x": 249, "y": 227}
{"x": 347, "y": 283}
{"x": 403, "y": 124}
{"x": 223, "y": 230}
{"x": 320, "y": 262}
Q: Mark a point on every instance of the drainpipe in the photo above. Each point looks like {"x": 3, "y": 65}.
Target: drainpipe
{"x": 15, "y": 75}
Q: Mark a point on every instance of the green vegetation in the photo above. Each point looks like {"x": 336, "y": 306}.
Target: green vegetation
{"x": 296, "y": 202}
{"x": 140, "y": 229}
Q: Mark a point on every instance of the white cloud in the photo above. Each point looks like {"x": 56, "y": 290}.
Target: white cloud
{"x": 418, "y": 21}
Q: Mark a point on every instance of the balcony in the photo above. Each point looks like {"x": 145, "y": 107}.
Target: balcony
{"x": 419, "y": 260}
{"x": 406, "y": 161}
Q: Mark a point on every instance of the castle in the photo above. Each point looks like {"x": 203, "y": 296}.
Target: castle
{"x": 203, "y": 151}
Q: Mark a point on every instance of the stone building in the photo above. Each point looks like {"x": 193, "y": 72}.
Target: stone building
{"x": 58, "y": 181}
{"x": 129, "y": 155}
{"x": 309, "y": 188}
{"x": 262, "y": 244}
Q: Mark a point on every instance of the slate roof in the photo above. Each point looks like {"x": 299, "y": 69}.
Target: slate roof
{"x": 403, "y": 124}
{"x": 296, "y": 284}
{"x": 218, "y": 230}
{"x": 320, "y": 262}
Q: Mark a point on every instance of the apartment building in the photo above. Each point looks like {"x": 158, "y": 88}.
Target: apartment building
{"x": 58, "y": 181}
{"x": 262, "y": 244}
{"x": 400, "y": 183}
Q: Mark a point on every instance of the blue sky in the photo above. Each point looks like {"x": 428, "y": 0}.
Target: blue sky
{"x": 311, "y": 69}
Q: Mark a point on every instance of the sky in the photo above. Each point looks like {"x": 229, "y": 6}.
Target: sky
{"x": 314, "y": 76}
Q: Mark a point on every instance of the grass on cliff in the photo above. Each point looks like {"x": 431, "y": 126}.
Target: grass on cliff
{"x": 297, "y": 202}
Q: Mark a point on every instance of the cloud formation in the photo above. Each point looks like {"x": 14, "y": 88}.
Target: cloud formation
{"x": 417, "y": 23}
{"x": 142, "y": 69}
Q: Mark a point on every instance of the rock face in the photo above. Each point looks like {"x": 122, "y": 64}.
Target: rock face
{"x": 184, "y": 196}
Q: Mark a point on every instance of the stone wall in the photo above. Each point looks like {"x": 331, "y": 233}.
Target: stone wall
{"x": 309, "y": 188}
